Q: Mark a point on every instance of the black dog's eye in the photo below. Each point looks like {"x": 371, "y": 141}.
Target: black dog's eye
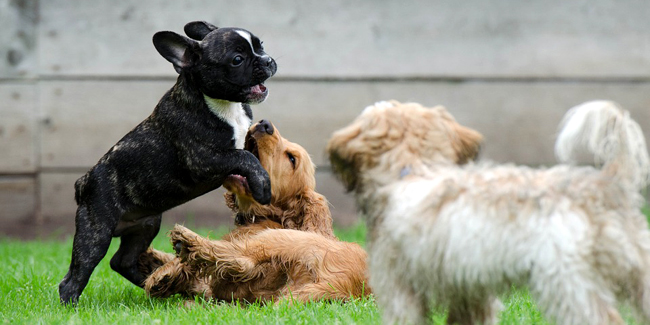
{"x": 292, "y": 159}
{"x": 238, "y": 60}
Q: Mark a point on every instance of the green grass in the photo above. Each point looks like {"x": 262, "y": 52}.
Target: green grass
{"x": 30, "y": 272}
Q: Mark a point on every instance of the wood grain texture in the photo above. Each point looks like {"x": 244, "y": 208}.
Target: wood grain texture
{"x": 58, "y": 206}
{"x": 17, "y": 201}
{"x": 76, "y": 75}
{"x": 519, "y": 120}
{"x": 18, "y": 128}
{"x": 413, "y": 38}
{"x": 18, "y": 20}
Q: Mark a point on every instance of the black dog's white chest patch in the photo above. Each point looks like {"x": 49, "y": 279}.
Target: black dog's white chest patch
{"x": 233, "y": 114}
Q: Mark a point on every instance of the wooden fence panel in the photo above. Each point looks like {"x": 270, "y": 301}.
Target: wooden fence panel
{"x": 76, "y": 75}
{"x": 17, "y": 202}
{"x": 83, "y": 119}
{"x": 339, "y": 38}
{"x": 209, "y": 210}
{"x": 18, "y": 38}
{"x": 18, "y": 130}
{"x": 519, "y": 120}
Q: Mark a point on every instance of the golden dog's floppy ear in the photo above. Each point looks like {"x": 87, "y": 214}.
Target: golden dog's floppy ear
{"x": 467, "y": 143}
{"x": 310, "y": 212}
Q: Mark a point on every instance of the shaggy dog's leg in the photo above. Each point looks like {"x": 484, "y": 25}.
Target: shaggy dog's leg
{"x": 574, "y": 298}
{"x": 642, "y": 298}
{"x": 402, "y": 305}
{"x": 399, "y": 301}
{"x": 474, "y": 311}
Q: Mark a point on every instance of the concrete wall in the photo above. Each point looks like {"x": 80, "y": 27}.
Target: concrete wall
{"x": 76, "y": 75}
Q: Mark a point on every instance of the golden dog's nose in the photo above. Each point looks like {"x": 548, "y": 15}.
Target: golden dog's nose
{"x": 264, "y": 126}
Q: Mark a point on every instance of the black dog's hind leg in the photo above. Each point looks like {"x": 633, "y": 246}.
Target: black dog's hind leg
{"x": 134, "y": 241}
{"x": 92, "y": 237}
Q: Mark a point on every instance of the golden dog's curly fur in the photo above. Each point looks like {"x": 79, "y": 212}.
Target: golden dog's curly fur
{"x": 284, "y": 250}
{"x": 277, "y": 264}
{"x": 447, "y": 231}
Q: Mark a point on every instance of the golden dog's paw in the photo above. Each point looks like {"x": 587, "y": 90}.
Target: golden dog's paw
{"x": 160, "y": 286}
{"x": 184, "y": 241}
{"x": 151, "y": 259}
{"x": 172, "y": 278}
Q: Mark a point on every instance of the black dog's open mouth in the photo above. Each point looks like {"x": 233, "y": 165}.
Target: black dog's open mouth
{"x": 259, "y": 89}
{"x": 257, "y": 93}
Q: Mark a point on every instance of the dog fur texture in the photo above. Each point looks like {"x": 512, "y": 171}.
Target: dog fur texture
{"x": 187, "y": 147}
{"x": 443, "y": 230}
{"x": 284, "y": 250}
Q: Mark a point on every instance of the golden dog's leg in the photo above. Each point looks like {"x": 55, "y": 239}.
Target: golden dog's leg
{"x": 314, "y": 292}
{"x": 240, "y": 259}
{"x": 219, "y": 258}
{"x": 243, "y": 259}
{"x": 171, "y": 278}
{"x": 151, "y": 260}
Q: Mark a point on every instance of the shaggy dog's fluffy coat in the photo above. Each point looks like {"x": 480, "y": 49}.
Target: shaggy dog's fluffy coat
{"x": 457, "y": 234}
{"x": 284, "y": 250}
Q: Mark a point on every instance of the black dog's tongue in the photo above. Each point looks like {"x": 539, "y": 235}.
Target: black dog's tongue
{"x": 258, "y": 89}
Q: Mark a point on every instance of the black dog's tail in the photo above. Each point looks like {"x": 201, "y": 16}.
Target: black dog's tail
{"x": 607, "y": 132}
{"x": 79, "y": 187}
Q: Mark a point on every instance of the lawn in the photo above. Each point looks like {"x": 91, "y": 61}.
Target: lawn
{"x": 30, "y": 273}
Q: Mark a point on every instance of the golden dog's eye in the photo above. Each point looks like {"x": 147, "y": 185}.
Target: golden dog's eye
{"x": 292, "y": 159}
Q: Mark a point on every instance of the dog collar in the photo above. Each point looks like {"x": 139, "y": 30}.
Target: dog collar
{"x": 404, "y": 172}
{"x": 242, "y": 219}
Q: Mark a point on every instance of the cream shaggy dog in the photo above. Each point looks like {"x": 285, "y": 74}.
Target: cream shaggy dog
{"x": 445, "y": 231}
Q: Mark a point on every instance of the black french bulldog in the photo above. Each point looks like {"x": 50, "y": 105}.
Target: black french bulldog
{"x": 190, "y": 143}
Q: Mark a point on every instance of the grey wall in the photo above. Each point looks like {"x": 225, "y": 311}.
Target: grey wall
{"x": 76, "y": 75}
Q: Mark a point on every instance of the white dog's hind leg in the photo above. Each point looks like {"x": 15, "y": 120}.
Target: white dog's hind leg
{"x": 475, "y": 311}
{"x": 640, "y": 298}
{"x": 403, "y": 306}
{"x": 398, "y": 300}
{"x": 572, "y": 298}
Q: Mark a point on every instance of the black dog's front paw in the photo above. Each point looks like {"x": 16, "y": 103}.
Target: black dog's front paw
{"x": 262, "y": 190}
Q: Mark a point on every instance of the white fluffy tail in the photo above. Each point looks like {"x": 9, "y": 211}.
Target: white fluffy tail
{"x": 605, "y": 130}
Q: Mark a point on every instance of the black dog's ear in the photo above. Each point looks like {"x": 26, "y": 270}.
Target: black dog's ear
{"x": 181, "y": 51}
{"x": 198, "y": 29}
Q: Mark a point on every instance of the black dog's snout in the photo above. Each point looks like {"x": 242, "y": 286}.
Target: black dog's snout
{"x": 264, "y": 126}
{"x": 269, "y": 61}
